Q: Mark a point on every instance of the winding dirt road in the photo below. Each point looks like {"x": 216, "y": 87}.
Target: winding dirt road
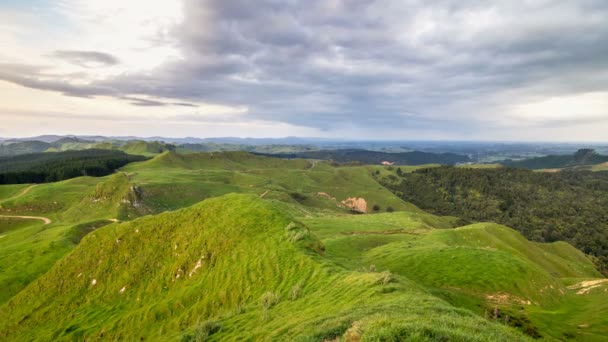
{"x": 45, "y": 219}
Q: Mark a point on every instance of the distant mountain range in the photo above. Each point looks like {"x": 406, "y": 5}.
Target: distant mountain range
{"x": 151, "y": 148}
{"x": 582, "y": 157}
{"x": 524, "y": 155}
{"x": 185, "y": 140}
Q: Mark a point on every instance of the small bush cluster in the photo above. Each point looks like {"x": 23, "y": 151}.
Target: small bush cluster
{"x": 202, "y": 332}
{"x": 298, "y": 196}
{"x": 269, "y": 299}
{"x": 385, "y": 278}
{"x": 296, "y": 233}
{"x": 295, "y": 292}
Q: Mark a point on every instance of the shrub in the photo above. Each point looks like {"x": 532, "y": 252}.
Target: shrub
{"x": 202, "y": 332}
{"x": 295, "y": 292}
{"x": 371, "y": 268}
{"x": 298, "y": 196}
{"x": 269, "y": 299}
{"x": 376, "y": 207}
{"x": 385, "y": 278}
{"x": 389, "y": 209}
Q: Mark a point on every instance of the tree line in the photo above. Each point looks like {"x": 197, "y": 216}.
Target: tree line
{"x": 52, "y": 167}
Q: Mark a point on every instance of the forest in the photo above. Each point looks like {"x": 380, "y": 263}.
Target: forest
{"x": 57, "y": 166}
{"x": 568, "y": 206}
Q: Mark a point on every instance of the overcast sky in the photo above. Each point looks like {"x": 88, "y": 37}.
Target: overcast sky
{"x": 403, "y": 69}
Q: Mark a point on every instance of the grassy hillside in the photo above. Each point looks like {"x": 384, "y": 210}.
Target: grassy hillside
{"x": 28, "y": 247}
{"x": 198, "y": 275}
{"x": 237, "y": 267}
{"x": 172, "y": 181}
{"x": 169, "y": 182}
{"x": 146, "y": 148}
{"x": 482, "y": 267}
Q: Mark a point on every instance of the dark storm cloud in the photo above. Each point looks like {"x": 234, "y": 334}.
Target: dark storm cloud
{"x": 88, "y": 59}
{"x": 438, "y": 64}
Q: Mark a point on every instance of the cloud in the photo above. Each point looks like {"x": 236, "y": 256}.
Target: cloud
{"x": 87, "y": 59}
{"x": 396, "y": 67}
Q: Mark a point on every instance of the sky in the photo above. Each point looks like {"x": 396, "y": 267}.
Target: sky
{"x": 520, "y": 70}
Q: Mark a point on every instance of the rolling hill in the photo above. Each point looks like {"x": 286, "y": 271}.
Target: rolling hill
{"x": 234, "y": 246}
{"x": 24, "y": 147}
{"x": 545, "y": 207}
{"x": 198, "y": 275}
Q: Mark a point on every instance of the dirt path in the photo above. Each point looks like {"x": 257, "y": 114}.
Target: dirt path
{"x": 587, "y": 285}
{"x": 21, "y": 194}
{"x": 264, "y": 194}
{"x": 46, "y": 220}
{"x": 314, "y": 163}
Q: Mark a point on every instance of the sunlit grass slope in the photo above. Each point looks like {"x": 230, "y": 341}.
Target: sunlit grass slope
{"x": 480, "y": 267}
{"x": 28, "y": 248}
{"x": 261, "y": 277}
{"x": 230, "y": 268}
{"x": 171, "y": 181}
{"x": 167, "y": 182}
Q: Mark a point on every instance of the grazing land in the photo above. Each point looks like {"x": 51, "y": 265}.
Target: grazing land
{"x": 228, "y": 246}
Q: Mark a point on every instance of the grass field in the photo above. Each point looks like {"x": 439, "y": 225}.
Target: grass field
{"x": 199, "y": 267}
{"x": 284, "y": 260}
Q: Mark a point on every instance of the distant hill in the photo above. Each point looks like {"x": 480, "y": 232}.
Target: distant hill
{"x": 265, "y": 149}
{"x": 146, "y": 148}
{"x": 16, "y": 148}
{"x": 582, "y": 157}
{"x": 71, "y": 140}
{"x": 375, "y": 157}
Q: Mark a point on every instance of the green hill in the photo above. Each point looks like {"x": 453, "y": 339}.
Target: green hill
{"x": 168, "y": 182}
{"x": 24, "y": 147}
{"x": 28, "y": 248}
{"x": 146, "y": 148}
{"x": 482, "y": 267}
{"x": 286, "y": 259}
{"x": 545, "y": 207}
{"x": 198, "y": 275}
{"x": 171, "y": 181}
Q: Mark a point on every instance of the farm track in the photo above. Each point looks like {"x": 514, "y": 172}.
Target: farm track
{"x": 45, "y": 219}
{"x": 21, "y": 194}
